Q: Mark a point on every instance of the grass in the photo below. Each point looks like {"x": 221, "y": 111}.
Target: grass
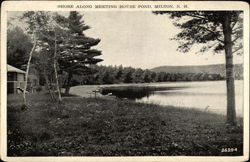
{"x": 100, "y": 127}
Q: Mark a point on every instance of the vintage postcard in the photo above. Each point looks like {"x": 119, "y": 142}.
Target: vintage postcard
{"x": 124, "y": 81}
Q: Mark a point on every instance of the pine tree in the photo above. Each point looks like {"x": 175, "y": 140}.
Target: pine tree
{"x": 75, "y": 52}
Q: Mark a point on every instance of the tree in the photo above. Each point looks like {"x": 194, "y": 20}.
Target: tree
{"x": 153, "y": 76}
{"x": 127, "y": 75}
{"x": 36, "y": 22}
{"x": 75, "y": 51}
{"x": 58, "y": 29}
{"x": 107, "y": 78}
{"x": 217, "y": 30}
{"x": 160, "y": 77}
{"x": 46, "y": 31}
{"x": 18, "y": 47}
{"x": 146, "y": 76}
{"x": 118, "y": 74}
{"x": 42, "y": 61}
{"x": 137, "y": 75}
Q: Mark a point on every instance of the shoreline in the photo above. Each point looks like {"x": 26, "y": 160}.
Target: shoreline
{"x": 202, "y": 91}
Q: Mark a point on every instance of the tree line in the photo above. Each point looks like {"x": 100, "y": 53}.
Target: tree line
{"x": 118, "y": 74}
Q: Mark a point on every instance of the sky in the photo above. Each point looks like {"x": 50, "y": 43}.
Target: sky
{"x": 141, "y": 39}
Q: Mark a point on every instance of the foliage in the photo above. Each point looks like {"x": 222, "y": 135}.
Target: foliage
{"x": 75, "y": 51}
{"x": 18, "y": 47}
{"x": 114, "y": 75}
{"x": 205, "y": 27}
{"x": 45, "y": 32}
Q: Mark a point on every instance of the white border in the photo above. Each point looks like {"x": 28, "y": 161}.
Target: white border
{"x": 192, "y": 5}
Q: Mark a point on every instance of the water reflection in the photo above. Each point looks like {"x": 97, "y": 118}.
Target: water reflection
{"x": 205, "y": 96}
{"x": 127, "y": 93}
{"x": 135, "y": 92}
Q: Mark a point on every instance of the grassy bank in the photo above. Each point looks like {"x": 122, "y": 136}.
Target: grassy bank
{"x": 100, "y": 127}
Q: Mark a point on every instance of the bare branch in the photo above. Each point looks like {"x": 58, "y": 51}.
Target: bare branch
{"x": 235, "y": 22}
{"x": 236, "y": 29}
{"x": 237, "y": 49}
{"x": 196, "y": 16}
{"x": 236, "y": 39}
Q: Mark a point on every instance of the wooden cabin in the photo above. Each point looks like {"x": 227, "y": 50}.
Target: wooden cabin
{"x": 15, "y": 79}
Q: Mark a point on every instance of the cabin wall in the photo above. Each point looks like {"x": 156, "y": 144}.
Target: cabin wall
{"x": 15, "y": 80}
{"x": 20, "y": 77}
{"x": 12, "y": 76}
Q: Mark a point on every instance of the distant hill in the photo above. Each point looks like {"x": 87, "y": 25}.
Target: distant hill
{"x": 209, "y": 69}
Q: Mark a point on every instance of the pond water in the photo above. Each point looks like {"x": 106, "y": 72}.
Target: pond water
{"x": 206, "y": 96}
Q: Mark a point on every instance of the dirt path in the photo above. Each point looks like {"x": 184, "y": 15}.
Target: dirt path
{"x": 85, "y": 90}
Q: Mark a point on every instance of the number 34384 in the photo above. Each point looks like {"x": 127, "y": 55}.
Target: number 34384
{"x": 229, "y": 150}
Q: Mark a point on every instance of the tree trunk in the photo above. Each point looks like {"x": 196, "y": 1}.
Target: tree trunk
{"x": 227, "y": 31}
{"x": 56, "y": 76}
{"x": 27, "y": 71}
{"x": 48, "y": 85}
{"x": 67, "y": 88}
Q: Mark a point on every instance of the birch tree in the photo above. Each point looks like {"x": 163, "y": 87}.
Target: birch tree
{"x": 45, "y": 32}
{"x": 37, "y": 22}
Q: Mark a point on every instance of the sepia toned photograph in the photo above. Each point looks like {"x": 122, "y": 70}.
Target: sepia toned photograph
{"x": 124, "y": 80}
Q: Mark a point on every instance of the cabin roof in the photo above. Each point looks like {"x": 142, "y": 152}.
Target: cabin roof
{"x": 14, "y": 69}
